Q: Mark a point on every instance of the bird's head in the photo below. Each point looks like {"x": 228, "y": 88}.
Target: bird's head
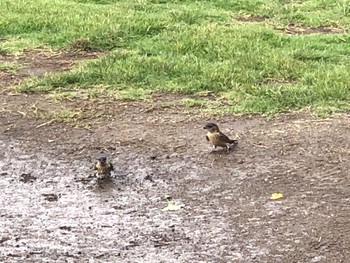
{"x": 212, "y": 127}
{"x": 102, "y": 159}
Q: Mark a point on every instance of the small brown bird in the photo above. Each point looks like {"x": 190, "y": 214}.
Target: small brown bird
{"x": 217, "y": 138}
{"x": 103, "y": 167}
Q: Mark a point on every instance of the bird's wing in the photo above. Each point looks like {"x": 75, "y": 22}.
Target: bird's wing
{"x": 224, "y": 138}
{"x": 111, "y": 166}
{"x": 207, "y": 138}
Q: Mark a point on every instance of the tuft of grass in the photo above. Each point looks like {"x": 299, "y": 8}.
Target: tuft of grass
{"x": 64, "y": 95}
{"x": 193, "y": 102}
{"x": 189, "y": 46}
{"x": 9, "y": 66}
{"x": 65, "y": 115}
{"x": 133, "y": 94}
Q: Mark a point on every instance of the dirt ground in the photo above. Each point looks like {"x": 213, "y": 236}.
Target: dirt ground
{"x": 53, "y": 210}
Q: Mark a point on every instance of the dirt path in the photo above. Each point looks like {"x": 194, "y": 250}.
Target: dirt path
{"x": 53, "y": 211}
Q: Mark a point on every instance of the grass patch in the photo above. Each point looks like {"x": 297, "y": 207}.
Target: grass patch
{"x": 65, "y": 115}
{"x": 9, "y": 66}
{"x": 64, "y": 95}
{"x": 189, "y": 47}
{"x": 194, "y": 102}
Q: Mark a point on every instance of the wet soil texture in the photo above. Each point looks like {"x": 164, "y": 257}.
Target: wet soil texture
{"x": 54, "y": 210}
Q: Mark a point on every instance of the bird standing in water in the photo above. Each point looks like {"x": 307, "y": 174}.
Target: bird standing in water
{"x": 217, "y": 138}
{"x": 103, "y": 167}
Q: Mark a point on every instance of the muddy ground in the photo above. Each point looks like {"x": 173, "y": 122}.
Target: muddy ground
{"x": 53, "y": 210}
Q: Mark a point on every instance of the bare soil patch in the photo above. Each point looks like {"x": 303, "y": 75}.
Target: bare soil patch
{"x": 54, "y": 210}
{"x": 37, "y": 63}
{"x": 293, "y": 29}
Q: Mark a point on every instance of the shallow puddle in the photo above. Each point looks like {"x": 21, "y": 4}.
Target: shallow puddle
{"x": 54, "y": 210}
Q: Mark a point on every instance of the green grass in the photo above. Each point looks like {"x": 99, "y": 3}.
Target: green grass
{"x": 194, "y": 102}
{"x": 65, "y": 115}
{"x": 9, "y": 66}
{"x": 190, "y": 47}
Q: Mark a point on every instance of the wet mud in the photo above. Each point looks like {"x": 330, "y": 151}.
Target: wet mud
{"x": 54, "y": 210}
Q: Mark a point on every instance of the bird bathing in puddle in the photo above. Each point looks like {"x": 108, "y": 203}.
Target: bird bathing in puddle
{"x": 103, "y": 168}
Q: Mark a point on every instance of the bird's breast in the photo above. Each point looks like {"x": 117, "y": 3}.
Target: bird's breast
{"x": 214, "y": 138}
{"x": 103, "y": 169}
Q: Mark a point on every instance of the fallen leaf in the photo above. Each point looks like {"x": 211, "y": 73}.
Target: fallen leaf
{"x": 172, "y": 207}
{"x": 276, "y": 196}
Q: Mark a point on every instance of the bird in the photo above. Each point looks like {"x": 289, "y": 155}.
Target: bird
{"x": 103, "y": 167}
{"x": 217, "y": 138}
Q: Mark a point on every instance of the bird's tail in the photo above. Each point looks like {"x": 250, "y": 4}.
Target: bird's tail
{"x": 234, "y": 142}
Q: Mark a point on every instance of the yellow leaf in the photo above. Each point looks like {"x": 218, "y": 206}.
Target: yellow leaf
{"x": 172, "y": 207}
{"x": 276, "y": 196}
